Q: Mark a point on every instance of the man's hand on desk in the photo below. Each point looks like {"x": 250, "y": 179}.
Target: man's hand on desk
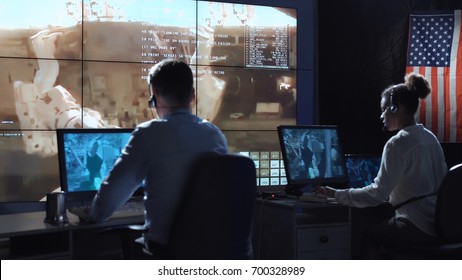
{"x": 83, "y": 212}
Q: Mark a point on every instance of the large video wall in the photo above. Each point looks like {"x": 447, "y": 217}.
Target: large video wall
{"x": 83, "y": 64}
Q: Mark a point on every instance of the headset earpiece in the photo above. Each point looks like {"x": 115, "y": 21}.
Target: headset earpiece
{"x": 394, "y": 109}
{"x": 152, "y": 102}
{"x": 393, "y": 105}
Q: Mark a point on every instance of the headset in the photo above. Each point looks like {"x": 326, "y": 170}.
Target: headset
{"x": 152, "y": 102}
{"x": 394, "y": 107}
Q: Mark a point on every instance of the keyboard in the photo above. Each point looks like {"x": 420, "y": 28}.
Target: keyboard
{"x": 311, "y": 197}
{"x": 131, "y": 208}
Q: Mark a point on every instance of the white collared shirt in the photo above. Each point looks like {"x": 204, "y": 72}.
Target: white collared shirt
{"x": 413, "y": 165}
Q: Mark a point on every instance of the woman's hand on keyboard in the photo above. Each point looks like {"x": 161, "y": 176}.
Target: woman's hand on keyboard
{"x": 325, "y": 190}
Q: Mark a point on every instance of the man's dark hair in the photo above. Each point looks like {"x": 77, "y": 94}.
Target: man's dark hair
{"x": 173, "y": 80}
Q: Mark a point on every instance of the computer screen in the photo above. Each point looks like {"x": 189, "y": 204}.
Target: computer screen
{"x": 87, "y": 155}
{"x": 362, "y": 169}
{"x": 312, "y": 155}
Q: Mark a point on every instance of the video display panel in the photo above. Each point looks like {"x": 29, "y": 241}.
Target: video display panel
{"x": 28, "y": 169}
{"x": 312, "y": 154}
{"x": 86, "y": 156}
{"x": 362, "y": 169}
{"x": 83, "y": 64}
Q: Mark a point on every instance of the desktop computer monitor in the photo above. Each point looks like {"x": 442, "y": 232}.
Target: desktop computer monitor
{"x": 312, "y": 155}
{"x": 362, "y": 169}
{"x": 86, "y": 156}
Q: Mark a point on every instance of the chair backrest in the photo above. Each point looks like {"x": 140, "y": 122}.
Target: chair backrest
{"x": 448, "y": 212}
{"x": 214, "y": 220}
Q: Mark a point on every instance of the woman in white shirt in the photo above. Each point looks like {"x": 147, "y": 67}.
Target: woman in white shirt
{"x": 412, "y": 168}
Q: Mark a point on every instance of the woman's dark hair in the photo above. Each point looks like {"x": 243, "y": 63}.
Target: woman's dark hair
{"x": 173, "y": 80}
{"x": 407, "y": 94}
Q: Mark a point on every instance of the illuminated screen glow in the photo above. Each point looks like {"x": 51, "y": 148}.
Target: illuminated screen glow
{"x": 312, "y": 154}
{"x": 83, "y": 64}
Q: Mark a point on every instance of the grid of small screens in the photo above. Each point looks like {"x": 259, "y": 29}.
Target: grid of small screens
{"x": 87, "y": 155}
{"x": 312, "y": 154}
{"x": 362, "y": 169}
{"x": 270, "y": 168}
{"x": 83, "y": 64}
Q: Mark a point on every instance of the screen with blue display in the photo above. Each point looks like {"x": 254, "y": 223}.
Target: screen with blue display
{"x": 87, "y": 155}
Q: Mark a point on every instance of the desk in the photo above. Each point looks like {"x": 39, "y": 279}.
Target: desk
{"x": 26, "y": 236}
{"x": 292, "y": 229}
{"x": 283, "y": 229}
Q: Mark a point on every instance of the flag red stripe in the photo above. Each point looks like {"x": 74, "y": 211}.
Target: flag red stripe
{"x": 446, "y": 106}
{"x": 434, "y": 96}
{"x": 458, "y": 92}
{"x": 423, "y": 104}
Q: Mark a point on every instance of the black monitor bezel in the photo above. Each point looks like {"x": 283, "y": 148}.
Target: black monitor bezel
{"x": 310, "y": 182}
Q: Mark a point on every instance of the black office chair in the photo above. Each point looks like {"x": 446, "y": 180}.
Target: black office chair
{"x": 448, "y": 223}
{"x": 214, "y": 220}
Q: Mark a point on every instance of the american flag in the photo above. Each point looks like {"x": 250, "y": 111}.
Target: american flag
{"x": 435, "y": 51}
